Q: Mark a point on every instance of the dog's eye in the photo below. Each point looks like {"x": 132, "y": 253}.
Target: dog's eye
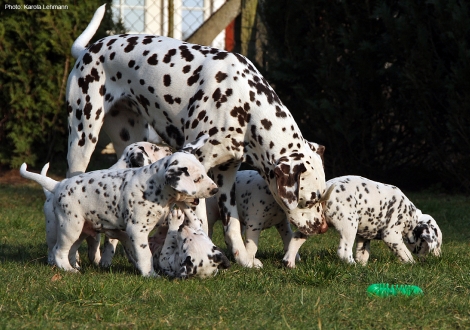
{"x": 309, "y": 204}
{"x": 198, "y": 179}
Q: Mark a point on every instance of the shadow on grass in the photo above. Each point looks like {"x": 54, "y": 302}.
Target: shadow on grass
{"x": 24, "y": 254}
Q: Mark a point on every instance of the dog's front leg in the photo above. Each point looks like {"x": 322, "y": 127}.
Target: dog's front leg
{"x": 225, "y": 180}
{"x": 395, "y": 242}
{"x": 140, "y": 249}
{"x": 293, "y": 248}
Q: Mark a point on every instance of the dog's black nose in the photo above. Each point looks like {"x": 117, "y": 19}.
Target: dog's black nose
{"x": 214, "y": 191}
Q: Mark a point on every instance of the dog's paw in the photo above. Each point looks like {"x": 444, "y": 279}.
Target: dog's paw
{"x": 257, "y": 263}
{"x": 288, "y": 263}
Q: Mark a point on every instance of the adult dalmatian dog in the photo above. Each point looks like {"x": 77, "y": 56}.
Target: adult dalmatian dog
{"x": 130, "y": 200}
{"x": 184, "y": 91}
{"x": 362, "y": 210}
{"x": 135, "y": 155}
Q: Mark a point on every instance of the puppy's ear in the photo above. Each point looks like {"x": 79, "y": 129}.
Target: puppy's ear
{"x": 179, "y": 179}
{"x": 192, "y": 147}
{"x": 424, "y": 233}
{"x": 137, "y": 160}
{"x": 288, "y": 183}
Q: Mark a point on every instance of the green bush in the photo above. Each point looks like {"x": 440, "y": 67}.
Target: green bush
{"x": 36, "y": 60}
{"x": 383, "y": 84}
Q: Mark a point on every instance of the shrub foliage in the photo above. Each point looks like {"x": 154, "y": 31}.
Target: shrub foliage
{"x": 383, "y": 84}
{"x": 35, "y": 53}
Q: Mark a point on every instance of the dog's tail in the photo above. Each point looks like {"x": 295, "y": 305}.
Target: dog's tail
{"x": 44, "y": 173}
{"x": 327, "y": 194}
{"x": 46, "y": 182}
{"x": 80, "y": 44}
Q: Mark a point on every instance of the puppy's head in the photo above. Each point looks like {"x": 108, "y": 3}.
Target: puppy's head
{"x": 198, "y": 256}
{"x": 428, "y": 237}
{"x": 140, "y": 154}
{"x": 187, "y": 176}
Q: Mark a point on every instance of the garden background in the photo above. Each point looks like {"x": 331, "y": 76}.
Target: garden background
{"x": 382, "y": 84}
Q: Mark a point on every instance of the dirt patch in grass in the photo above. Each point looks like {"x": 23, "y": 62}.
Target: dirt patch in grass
{"x": 12, "y": 177}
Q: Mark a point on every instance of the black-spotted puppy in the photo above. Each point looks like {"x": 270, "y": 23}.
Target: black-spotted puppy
{"x": 187, "y": 250}
{"x": 135, "y": 155}
{"x": 185, "y": 90}
{"x": 365, "y": 209}
{"x": 133, "y": 200}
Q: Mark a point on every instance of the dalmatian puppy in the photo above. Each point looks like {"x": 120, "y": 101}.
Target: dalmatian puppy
{"x": 187, "y": 250}
{"x": 363, "y": 209}
{"x": 183, "y": 91}
{"x": 258, "y": 210}
{"x": 135, "y": 155}
{"x": 428, "y": 237}
{"x": 133, "y": 200}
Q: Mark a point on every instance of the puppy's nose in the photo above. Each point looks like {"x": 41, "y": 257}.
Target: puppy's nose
{"x": 214, "y": 191}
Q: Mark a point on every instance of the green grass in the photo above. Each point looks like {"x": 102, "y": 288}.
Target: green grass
{"x": 321, "y": 292}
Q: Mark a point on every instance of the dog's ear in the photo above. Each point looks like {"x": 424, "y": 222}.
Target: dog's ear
{"x": 318, "y": 148}
{"x": 424, "y": 233}
{"x": 430, "y": 232}
{"x": 288, "y": 183}
{"x": 192, "y": 147}
{"x": 179, "y": 179}
{"x": 136, "y": 160}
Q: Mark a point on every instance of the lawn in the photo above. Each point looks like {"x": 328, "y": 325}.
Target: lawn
{"x": 321, "y": 293}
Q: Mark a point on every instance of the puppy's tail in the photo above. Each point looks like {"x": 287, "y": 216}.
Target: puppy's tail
{"x": 46, "y": 182}
{"x": 44, "y": 173}
{"x": 80, "y": 44}
{"x": 327, "y": 194}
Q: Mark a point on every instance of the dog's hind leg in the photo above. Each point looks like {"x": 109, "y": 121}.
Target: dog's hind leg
{"x": 87, "y": 103}
{"x": 67, "y": 236}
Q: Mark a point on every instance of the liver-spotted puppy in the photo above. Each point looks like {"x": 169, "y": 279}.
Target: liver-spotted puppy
{"x": 184, "y": 91}
{"x": 132, "y": 200}
{"x": 258, "y": 210}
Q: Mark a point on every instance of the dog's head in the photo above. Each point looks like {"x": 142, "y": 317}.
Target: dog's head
{"x": 188, "y": 251}
{"x": 140, "y": 154}
{"x": 187, "y": 176}
{"x": 427, "y": 236}
{"x": 300, "y": 187}
{"x": 198, "y": 256}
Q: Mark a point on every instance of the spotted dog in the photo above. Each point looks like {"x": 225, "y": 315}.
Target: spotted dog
{"x": 258, "y": 210}
{"x": 363, "y": 209}
{"x": 135, "y": 155}
{"x": 183, "y": 91}
{"x": 187, "y": 250}
{"x": 132, "y": 200}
